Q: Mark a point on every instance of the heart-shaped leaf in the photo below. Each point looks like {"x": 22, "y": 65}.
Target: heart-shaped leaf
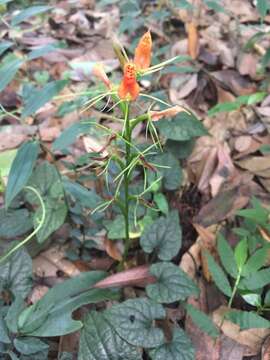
{"x": 172, "y": 284}
{"x": 100, "y": 341}
{"x": 164, "y": 236}
{"x": 133, "y": 320}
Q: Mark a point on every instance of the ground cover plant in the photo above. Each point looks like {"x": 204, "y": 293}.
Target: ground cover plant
{"x": 135, "y": 185}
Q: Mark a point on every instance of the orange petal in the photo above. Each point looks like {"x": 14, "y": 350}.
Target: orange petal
{"x": 99, "y": 72}
{"x": 143, "y": 51}
{"x": 129, "y": 88}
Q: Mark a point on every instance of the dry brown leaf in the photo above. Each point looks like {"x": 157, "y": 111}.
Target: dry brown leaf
{"x": 112, "y": 249}
{"x": 258, "y": 165}
{"x": 138, "y": 276}
{"x": 191, "y": 260}
{"x": 11, "y": 141}
{"x": 193, "y": 40}
{"x": 247, "y": 65}
{"x": 252, "y": 338}
{"x": 266, "y": 349}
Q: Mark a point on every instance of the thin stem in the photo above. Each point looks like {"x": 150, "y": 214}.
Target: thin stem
{"x": 29, "y": 237}
{"x": 127, "y": 137}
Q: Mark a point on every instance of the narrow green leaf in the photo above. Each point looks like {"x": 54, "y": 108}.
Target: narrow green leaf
{"x": 41, "y": 51}
{"x": 247, "y": 320}
{"x": 203, "y": 321}
{"x": 29, "y": 12}
{"x": 21, "y": 170}
{"x": 8, "y": 71}
{"x": 52, "y": 314}
{"x": 241, "y": 253}
{"x": 133, "y": 320}
{"x": 162, "y": 203}
{"x": 218, "y": 275}
{"x": 39, "y": 98}
{"x": 266, "y": 58}
{"x": 226, "y": 255}
{"x": 172, "y": 284}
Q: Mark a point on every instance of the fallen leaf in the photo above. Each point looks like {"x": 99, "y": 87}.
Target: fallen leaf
{"x": 258, "y": 165}
{"x": 193, "y": 40}
{"x": 112, "y": 249}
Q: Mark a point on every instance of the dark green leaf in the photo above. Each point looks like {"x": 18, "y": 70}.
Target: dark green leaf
{"x": 247, "y": 320}
{"x": 265, "y": 149}
{"x": 4, "y": 336}
{"x": 172, "y": 284}
{"x": 218, "y": 276}
{"x": 14, "y": 223}
{"x": 180, "y": 149}
{"x": 164, "y": 236}
{"x": 179, "y": 348}
{"x": 182, "y": 127}
{"x": 51, "y": 315}
{"x": 13, "y": 313}
{"x": 8, "y": 71}
{"x": 21, "y": 170}
{"x": 4, "y": 46}
{"x": 266, "y": 58}
{"x": 133, "y": 320}
{"x": 46, "y": 180}
{"x": 28, "y": 345}
{"x": 162, "y": 203}
{"x": 203, "y": 321}
{"x": 87, "y": 198}
{"x": 38, "y": 98}
{"x": 70, "y": 134}
{"x": 98, "y": 340}
{"x": 29, "y": 12}
{"x": 168, "y": 167}
{"x": 256, "y": 280}
{"x": 263, "y": 6}
{"x": 255, "y": 262}
{"x": 226, "y": 255}
{"x": 41, "y": 51}
{"x": 16, "y": 274}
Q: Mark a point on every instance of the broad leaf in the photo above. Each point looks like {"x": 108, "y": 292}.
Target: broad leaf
{"x": 162, "y": 203}
{"x": 29, "y": 12}
{"x": 38, "y": 98}
{"x": 180, "y": 149}
{"x": 179, "y": 348}
{"x": 21, "y": 169}
{"x": 14, "y": 223}
{"x": 172, "y": 284}
{"x": 168, "y": 167}
{"x": 182, "y": 127}
{"x": 87, "y": 198}
{"x": 203, "y": 321}
{"x": 226, "y": 255}
{"x": 4, "y": 336}
{"x": 51, "y": 315}
{"x": 263, "y": 6}
{"x": 133, "y": 320}
{"x": 8, "y": 71}
{"x": 13, "y": 313}
{"x": 69, "y": 135}
{"x": 164, "y": 236}
{"x": 256, "y": 280}
{"x": 29, "y": 346}
{"x": 4, "y": 46}
{"x": 241, "y": 253}
{"x": 16, "y": 274}
{"x": 218, "y": 276}
{"x": 247, "y": 319}
{"x": 255, "y": 262}
{"x": 47, "y": 181}
{"x": 98, "y": 340}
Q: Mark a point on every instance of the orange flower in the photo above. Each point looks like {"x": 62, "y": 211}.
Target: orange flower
{"x": 129, "y": 88}
{"x": 143, "y": 51}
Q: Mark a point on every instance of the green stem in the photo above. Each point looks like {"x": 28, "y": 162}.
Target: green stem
{"x": 235, "y": 288}
{"x": 29, "y": 237}
{"x": 127, "y": 136}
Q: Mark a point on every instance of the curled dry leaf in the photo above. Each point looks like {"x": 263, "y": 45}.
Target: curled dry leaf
{"x": 138, "y": 276}
{"x": 112, "y": 249}
{"x": 170, "y": 112}
{"x": 191, "y": 260}
{"x": 252, "y": 338}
